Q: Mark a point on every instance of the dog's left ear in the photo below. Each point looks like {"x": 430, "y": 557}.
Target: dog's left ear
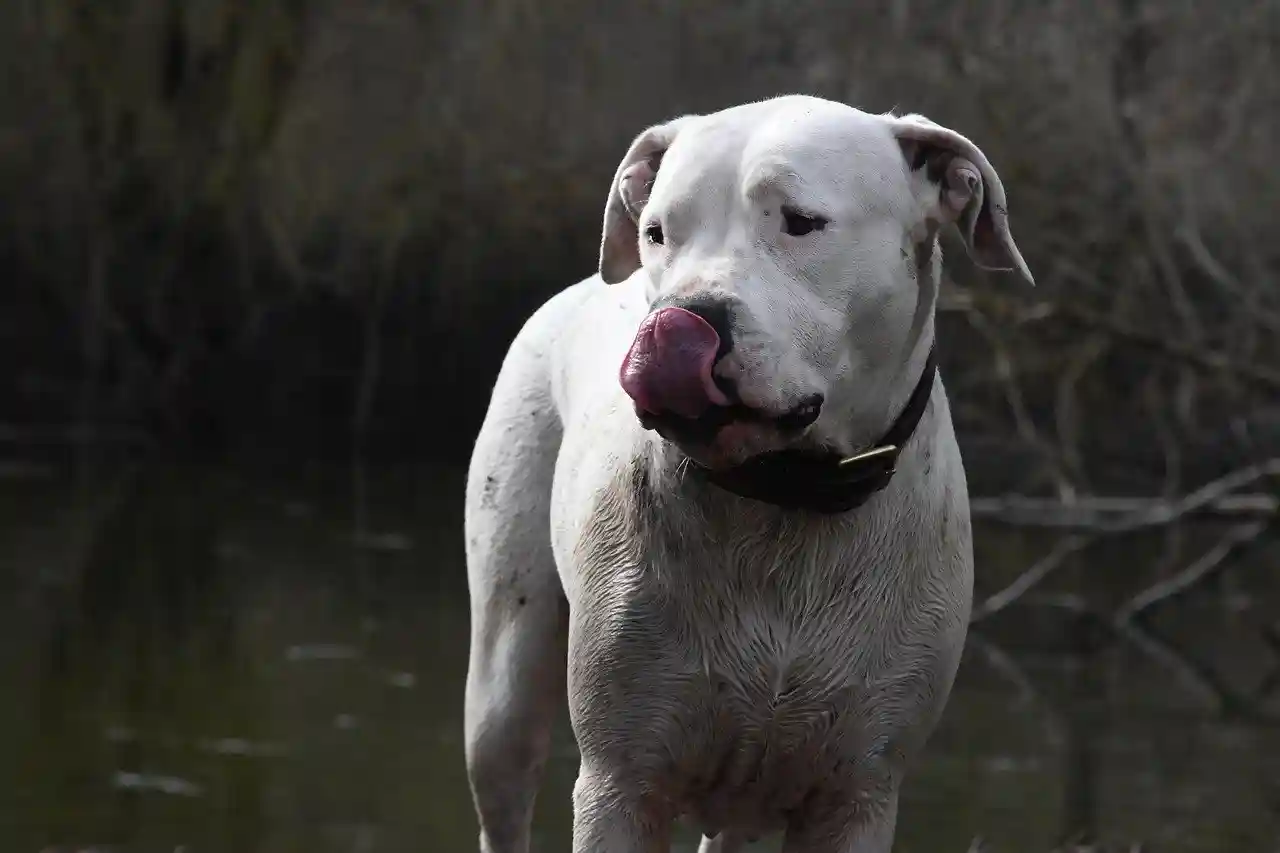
{"x": 628, "y": 194}
{"x": 969, "y": 190}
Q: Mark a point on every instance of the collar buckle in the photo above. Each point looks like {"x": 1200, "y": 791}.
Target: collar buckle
{"x": 884, "y": 454}
{"x": 872, "y": 469}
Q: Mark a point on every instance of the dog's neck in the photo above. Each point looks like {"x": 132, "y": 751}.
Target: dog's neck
{"x": 858, "y": 424}
{"x": 895, "y": 387}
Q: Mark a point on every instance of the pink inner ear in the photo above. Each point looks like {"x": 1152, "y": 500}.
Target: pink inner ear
{"x": 963, "y": 184}
{"x": 956, "y": 201}
{"x": 634, "y": 186}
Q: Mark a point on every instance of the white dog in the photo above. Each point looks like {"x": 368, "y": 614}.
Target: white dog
{"x": 720, "y": 503}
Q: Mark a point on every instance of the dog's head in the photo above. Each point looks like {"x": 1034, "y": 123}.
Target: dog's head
{"x": 789, "y": 250}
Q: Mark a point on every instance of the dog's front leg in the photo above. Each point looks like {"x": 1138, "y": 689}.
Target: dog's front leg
{"x": 605, "y": 820}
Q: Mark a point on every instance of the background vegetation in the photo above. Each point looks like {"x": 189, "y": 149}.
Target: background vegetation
{"x": 232, "y": 222}
{"x": 261, "y": 246}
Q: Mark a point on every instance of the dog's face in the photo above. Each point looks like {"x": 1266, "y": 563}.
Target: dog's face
{"x": 788, "y": 248}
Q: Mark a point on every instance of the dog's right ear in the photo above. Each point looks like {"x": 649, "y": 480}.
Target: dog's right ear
{"x": 628, "y": 194}
{"x": 970, "y": 193}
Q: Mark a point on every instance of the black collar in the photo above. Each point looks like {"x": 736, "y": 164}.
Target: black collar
{"x": 826, "y": 482}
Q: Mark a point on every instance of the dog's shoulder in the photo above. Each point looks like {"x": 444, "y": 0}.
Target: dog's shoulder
{"x": 580, "y": 335}
{"x": 552, "y": 323}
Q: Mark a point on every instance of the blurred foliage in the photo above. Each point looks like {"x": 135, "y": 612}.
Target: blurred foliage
{"x": 224, "y": 218}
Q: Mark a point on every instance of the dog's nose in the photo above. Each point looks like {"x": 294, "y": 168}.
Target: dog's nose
{"x": 668, "y": 368}
{"x": 715, "y": 308}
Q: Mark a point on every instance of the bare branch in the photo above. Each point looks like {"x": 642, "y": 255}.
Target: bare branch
{"x": 1092, "y": 512}
{"x": 1205, "y": 359}
{"x": 1136, "y": 513}
{"x": 1204, "y": 567}
{"x": 1042, "y": 568}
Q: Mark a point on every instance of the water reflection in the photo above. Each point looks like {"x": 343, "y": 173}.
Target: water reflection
{"x": 218, "y": 660}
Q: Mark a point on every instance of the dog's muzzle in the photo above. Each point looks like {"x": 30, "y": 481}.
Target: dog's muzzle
{"x": 668, "y": 370}
{"x": 669, "y": 374}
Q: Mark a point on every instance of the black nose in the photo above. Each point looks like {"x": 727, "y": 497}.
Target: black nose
{"x": 717, "y": 310}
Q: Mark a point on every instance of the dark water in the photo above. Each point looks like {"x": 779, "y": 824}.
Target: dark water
{"x": 256, "y": 660}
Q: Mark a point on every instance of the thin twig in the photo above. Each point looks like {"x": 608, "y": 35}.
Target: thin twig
{"x": 1007, "y": 374}
{"x": 1208, "y": 563}
{"x": 1216, "y": 494}
{"x": 1004, "y": 664}
{"x": 1042, "y": 568}
{"x": 1191, "y": 675}
{"x": 1157, "y": 514}
{"x": 1089, "y": 512}
{"x": 1172, "y": 511}
{"x": 1205, "y": 359}
{"x": 1067, "y": 602}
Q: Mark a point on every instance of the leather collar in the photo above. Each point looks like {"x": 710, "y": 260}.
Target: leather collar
{"x": 826, "y": 482}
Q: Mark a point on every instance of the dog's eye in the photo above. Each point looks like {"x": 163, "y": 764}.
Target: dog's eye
{"x": 653, "y": 233}
{"x": 798, "y": 224}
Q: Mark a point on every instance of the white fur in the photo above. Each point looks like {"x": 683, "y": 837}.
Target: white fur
{"x": 748, "y": 668}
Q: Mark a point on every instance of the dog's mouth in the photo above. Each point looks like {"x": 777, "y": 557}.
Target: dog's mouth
{"x": 702, "y": 430}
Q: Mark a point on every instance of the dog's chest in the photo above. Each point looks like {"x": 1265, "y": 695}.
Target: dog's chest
{"x": 767, "y": 656}
{"x": 775, "y": 627}
{"x": 753, "y": 686}
{"x": 769, "y": 708}
{"x": 742, "y": 670}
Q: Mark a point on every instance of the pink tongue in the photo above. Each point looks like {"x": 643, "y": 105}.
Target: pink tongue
{"x": 668, "y": 368}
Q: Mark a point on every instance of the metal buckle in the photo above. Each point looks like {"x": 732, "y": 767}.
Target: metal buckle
{"x": 889, "y": 451}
